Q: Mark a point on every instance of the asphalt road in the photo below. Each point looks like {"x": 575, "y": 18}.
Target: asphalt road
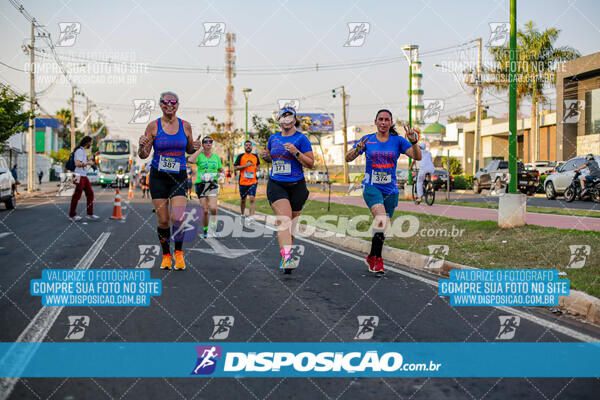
{"x": 320, "y": 301}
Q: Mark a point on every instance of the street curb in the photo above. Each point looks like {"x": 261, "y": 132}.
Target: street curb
{"x": 576, "y": 303}
{"x": 40, "y": 194}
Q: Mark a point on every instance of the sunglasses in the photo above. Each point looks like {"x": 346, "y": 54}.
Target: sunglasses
{"x": 167, "y": 102}
{"x": 207, "y": 141}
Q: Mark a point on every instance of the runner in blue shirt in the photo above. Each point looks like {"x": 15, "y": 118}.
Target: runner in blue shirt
{"x": 382, "y": 150}
{"x": 288, "y": 151}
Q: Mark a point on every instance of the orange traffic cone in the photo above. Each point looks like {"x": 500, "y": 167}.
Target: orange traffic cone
{"x": 130, "y": 194}
{"x": 117, "y": 213}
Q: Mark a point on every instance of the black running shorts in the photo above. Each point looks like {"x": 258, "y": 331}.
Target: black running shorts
{"x": 164, "y": 185}
{"x": 295, "y": 192}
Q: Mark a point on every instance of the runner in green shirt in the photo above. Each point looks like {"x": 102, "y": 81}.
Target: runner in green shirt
{"x": 207, "y": 187}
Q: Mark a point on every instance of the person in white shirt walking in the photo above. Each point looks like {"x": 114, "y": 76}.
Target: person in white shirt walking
{"x": 81, "y": 181}
{"x": 425, "y": 167}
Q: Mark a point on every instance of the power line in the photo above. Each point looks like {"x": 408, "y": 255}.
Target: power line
{"x": 258, "y": 70}
{"x": 16, "y": 69}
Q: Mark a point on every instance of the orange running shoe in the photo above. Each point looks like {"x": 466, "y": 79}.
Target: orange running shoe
{"x": 179, "y": 261}
{"x": 166, "y": 262}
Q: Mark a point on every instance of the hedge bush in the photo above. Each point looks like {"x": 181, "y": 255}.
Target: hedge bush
{"x": 464, "y": 182}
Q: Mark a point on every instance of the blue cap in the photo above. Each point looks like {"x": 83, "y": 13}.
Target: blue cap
{"x": 285, "y": 110}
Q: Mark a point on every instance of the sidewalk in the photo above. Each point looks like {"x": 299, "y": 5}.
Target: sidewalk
{"x": 476, "y": 214}
{"x": 46, "y": 189}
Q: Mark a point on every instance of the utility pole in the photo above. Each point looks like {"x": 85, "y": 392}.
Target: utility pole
{"x": 31, "y": 132}
{"x": 478, "y": 83}
{"x": 246, "y": 92}
{"x": 345, "y": 129}
{"x": 229, "y": 99}
{"x": 72, "y": 118}
{"x": 346, "y": 178}
{"x": 87, "y": 116}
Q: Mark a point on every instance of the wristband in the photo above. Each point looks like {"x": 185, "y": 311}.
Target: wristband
{"x": 297, "y": 154}
{"x": 417, "y": 138}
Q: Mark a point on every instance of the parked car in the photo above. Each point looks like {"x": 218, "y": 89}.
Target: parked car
{"x": 401, "y": 177}
{"x": 261, "y": 174}
{"x": 7, "y": 186}
{"x": 317, "y": 176}
{"x": 556, "y": 183}
{"x": 92, "y": 175}
{"x": 440, "y": 178}
{"x": 495, "y": 176}
{"x": 543, "y": 167}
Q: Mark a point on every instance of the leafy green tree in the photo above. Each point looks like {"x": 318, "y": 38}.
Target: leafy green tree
{"x": 61, "y": 156}
{"x": 458, "y": 118}
{"x": 64, "y": 116}
{"x": 455, "y": 165}
{"x": 262, "y": 130}
{"x": 12, "y": 116}
{"x": 218, "y": 131}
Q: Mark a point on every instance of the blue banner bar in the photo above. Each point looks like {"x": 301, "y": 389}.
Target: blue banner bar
{"x": 37, "y": 360}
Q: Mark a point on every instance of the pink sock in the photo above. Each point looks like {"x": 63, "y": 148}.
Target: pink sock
{"x": 286, "y": 253}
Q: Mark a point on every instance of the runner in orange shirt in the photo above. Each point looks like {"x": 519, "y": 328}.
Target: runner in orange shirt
{"x": 248, "y": 164}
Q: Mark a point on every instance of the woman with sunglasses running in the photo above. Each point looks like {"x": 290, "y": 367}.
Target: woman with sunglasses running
{"x": 207, "y": 187}
{"x": 288, "y": 151}
{"x": 171, "y": 138}
{"x": 380, "y": 192}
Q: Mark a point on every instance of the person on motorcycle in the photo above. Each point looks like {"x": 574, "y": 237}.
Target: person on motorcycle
{"x": 592, "y": 166}
{"x": 120, "y": 177}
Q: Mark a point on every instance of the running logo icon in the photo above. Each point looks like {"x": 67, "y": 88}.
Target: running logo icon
{"x": 366, "y": 326}
{"x": 284, "y": 103}
{"x": 499, "y": 34}
{"x": 148, "y": 254}
{"x": 573, "y": 109}
{"x": 433, "y": 108}
{"x": 223, "y": 324}
{"x": 437, "y": 255}
{"x": 187, "y": 230}
{"x": 142, "y": 110}
{"x": 508, "y": 327}
{"x": 357, "y": 33}
{"x": 579, "y": 255}
{"x": 297, "y": 252}
{"x": 213, "y": 31}
{"x": 68, "y": 33}
{"x": 207, "y": 359}
{"x": 77, "y": 326}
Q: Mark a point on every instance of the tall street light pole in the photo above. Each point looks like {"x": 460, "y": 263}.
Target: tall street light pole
{"x": 409, "y": 58}
{"x": 246, "y": 92}
{"x": 512, "y": 101}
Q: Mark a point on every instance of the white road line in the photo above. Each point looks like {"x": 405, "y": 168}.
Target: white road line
{"x": 39, "y": 327}
{"x": 34, "y": 205}
{"x": 530, "y": 317}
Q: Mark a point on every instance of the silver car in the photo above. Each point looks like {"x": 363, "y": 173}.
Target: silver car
{"x": 7, "y": 186}
{"x": 556, "y": 183}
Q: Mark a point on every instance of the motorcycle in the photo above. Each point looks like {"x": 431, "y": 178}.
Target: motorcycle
{"x": 573, "y": 191}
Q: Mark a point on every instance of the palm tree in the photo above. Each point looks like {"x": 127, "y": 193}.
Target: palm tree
{"x": 537, "y": 59}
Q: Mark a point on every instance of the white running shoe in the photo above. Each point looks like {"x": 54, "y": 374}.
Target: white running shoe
{"x": 92, "y": 217}
{"x": 75, "y": 218}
